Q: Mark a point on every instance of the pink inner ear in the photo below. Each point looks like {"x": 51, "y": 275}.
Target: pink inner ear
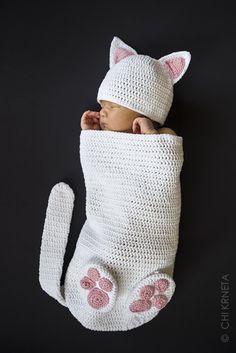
{"x": 120, "y": 54}
{"x": 174, "y": 66}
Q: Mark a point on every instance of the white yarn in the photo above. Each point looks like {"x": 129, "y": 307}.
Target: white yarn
{"x": 133, "y": 205}
{"x": 54, "y": 240}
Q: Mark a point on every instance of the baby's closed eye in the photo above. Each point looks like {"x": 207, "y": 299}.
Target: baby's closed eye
{"x": 114, "y": 106}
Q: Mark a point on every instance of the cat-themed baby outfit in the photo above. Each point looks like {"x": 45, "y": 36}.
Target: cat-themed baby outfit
{"x": 121, "y": 273}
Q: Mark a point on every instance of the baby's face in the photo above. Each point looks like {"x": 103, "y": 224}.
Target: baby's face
{"x": 115, "y": 117}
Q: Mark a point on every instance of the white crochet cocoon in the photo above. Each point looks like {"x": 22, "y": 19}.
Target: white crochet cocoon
{"x": 121, "y": 273}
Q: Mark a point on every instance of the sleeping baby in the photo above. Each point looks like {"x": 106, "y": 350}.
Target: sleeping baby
{"x": 121, "y": 272}
{"x": 115, "y": 117}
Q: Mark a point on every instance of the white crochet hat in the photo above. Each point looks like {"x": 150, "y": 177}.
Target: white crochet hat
{"x": 141, "y": 83}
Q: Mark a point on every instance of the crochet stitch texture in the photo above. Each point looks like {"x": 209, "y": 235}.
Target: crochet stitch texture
{"x": 121, "y": 273}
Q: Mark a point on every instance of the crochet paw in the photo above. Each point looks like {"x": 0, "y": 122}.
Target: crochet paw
{"x": 98, "y": 288}
{"x": 151, "y": 294}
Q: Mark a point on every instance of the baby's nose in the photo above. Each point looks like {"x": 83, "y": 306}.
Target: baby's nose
{"x": 102, "y": 113}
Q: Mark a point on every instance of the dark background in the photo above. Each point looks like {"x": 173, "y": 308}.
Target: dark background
{"x": 53, "y": 58}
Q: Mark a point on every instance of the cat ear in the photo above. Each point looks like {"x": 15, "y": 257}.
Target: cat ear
{"x": 119, "y": 50}
{"x": 176, "y": 64}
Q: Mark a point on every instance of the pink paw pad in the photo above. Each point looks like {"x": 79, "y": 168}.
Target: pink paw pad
{"x": 147, "y": 292}
{"x": 162, "y": 285}
{"x": 105, "y": 284}
{"x": 150, "y": 297}
{"x": 159, "y": 301}
{"x": 87, "y": 283}
{"x": 97, "y": 297}
{"x": 140, "y": 305}
{"x": 94, "y": 274}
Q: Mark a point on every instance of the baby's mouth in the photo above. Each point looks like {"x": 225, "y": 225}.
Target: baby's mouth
{"x": 103, "y": 125}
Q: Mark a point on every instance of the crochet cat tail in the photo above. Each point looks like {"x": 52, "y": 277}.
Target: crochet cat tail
{"x": 54, "y": 239}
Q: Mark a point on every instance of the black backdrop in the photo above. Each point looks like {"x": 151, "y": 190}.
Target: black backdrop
{"x": 53, "y": 58}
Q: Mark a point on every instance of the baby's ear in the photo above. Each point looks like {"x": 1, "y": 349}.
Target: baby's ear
{"x": 119, "y": 50}
{"x": 176, "y": 64}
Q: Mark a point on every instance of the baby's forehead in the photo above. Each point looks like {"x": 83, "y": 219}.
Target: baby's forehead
{"x": 108, "y": 102}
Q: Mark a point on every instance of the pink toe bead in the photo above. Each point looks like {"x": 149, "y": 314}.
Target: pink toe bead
{"x": 87, "y": 283}
{"x": 97, "y": 299}
{"x": 105, "y": 284}
{"x": 159, "y": 301}
{"x": 94, "y": 274}
{"x": 162, "y": 285}
{"x": 140, "y": 305}
{"x": 147, "y": 292}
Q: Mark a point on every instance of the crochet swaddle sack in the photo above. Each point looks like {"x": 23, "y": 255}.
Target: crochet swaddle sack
{"x": 121, "y": 273}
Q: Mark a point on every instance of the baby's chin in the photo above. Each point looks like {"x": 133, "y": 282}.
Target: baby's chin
{"x": 103, "y": 126}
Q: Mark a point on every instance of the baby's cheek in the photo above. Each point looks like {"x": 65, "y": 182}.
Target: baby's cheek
{"x": 114, "y": 121}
